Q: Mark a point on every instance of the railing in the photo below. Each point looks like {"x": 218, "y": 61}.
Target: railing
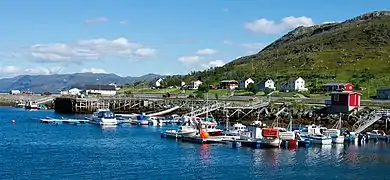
{"x": 383, "y": 112}
{"x": 367, "y": 121}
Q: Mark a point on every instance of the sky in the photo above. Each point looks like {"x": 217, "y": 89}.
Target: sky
{"x": 136, "y": 37}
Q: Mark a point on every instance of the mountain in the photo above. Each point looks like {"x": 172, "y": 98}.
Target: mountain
{"x": 56, "y": 82}
{"x": 356, "y": 50}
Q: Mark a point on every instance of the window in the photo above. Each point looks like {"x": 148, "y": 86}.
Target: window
{"x": 336, "y": 97}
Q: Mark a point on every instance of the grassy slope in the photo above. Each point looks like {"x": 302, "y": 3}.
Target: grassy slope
{"x": 356, "y": 51}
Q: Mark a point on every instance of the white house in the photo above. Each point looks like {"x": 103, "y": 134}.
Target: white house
{"x": 157, "y": 83}
{"x": 243, "y": 84}
{"x": 104, "y": 90}
{"x": 269, "y": 83}
{"x": 294, "y": 84}
{"x": 15, "y": 92}
{"x": 116, "y": 86}
{"x": 74, "y": 91}
{"x": 194, "y": 84}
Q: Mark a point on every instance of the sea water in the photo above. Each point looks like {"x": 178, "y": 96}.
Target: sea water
{"x": 31, "y": 150}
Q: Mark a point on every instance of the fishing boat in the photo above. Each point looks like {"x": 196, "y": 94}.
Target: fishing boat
{"x": 270, "y": 137}
{"x": 103, "y": 117}
{"x": 314, "y": 134}
{"x": 31, "y": 105}
{"x": 209, "y": 125}
{"x": 188, "y": 128}
{"x": 235, "y": 130}
{"x": 335, "y": 132}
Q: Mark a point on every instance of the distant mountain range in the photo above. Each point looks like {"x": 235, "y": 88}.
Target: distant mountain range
{"x": 57, "y": 82}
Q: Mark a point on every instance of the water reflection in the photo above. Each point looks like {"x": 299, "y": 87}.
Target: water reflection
{"x": 109, "y": 127}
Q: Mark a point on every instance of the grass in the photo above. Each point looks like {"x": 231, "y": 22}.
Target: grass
{"x": 178, "y": 91}
{"x": 356, "y": 52}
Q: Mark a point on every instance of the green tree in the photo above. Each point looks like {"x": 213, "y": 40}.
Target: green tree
{"x": 268, "y": 91}
{"x": 204, "y": 88}
{"x": 252, "y": 88}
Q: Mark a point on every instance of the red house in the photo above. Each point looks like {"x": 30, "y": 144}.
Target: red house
{"x": 331, "y": 87}
{"x": 344, "y": 101}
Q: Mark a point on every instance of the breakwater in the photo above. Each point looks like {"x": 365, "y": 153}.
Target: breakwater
{"x": 11, "y": 100}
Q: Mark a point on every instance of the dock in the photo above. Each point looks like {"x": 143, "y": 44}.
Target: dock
{"x": 209, "y": 140}
{"x": 63, "y": 121}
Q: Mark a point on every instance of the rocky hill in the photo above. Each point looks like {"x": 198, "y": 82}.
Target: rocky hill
{"x": 356, "y": 50}
{"x": 54, "y": 83}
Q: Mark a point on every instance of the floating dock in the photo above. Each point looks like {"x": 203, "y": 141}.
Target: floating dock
{"x": 209, "y": 140}
{"x": 63, "y": 121}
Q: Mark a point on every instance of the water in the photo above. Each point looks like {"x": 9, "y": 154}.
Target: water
{"x": 30, "y": 150}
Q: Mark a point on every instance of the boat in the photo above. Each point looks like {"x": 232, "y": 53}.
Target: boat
{"x": 236, "y": 129}
{"x": 31, "y": 105}
{"x": 20, "y": 105}
{"x": 350, "y": 137}
{"x": 141, "y": 119}
{"x": 335, "y": 132}
{"x": 209, "y": 125}
{"x": 103, "y": 117}
{"x": 314, "y": 134}
{"x": 336, "y": 136}
{"x": 376, "y": 134}
{"x": 188, "y": 128}
{"x": 270, "y": 137}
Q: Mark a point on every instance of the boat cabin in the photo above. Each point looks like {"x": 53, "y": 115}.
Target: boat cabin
{"x": 105, "y": 114}
{"x": 239, "y": 127}
{"x": 313, "y": 130}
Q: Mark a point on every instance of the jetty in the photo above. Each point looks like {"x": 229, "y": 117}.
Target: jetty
{"x": 63, "y": 121}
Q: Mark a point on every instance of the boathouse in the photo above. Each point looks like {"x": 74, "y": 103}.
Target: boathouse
{"x": 344, "y": 101}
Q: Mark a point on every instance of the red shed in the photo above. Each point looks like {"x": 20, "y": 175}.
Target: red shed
{"x": 344, "y": 101}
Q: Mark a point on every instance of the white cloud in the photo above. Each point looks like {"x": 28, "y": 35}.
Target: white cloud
{"x": 91, "y": 49}
{"x": 228, "y": 42}
{"x": 189, "y": 59}
{"x": 206, "y": 51}
{"x": 253, "y": 46}
{"x": 8, "y": 71}
{"x": 93, "y": 70}
{"x": 96, "y": 20}
{"x": 264, "y": 26}
{"x": 216, "y": 63}
{"x": 123, "y": 22}
{"x": 145, "y": 53}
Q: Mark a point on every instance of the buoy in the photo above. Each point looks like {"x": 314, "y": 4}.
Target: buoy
{"x": 13, "y": 121}
{"x": 204, "y": 134}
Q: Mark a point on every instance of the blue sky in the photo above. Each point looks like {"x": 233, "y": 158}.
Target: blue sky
{"x": 135, "y": 37}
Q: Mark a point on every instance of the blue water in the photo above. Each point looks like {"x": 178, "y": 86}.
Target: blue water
{"x": 30, "y": 150}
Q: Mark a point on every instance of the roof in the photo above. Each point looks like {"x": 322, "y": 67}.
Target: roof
{"x": 100, "y": 87}
{"x": 263, "y": 81}
{"x": 347, "y": 92}
{"x": 227, "y": 81}
{"x": 383, "y": 89}
{"x": 335, "y": 84}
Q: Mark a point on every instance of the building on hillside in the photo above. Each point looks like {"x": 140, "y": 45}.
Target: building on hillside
{"x": 193, "y": 85}
{"x": 330, "y": 87}
{"x": 343, "y": 101}
{"x": 383, "y": 93}
{"x": 243, "y": 84}
{"x": 228, "y": 84}
{"x": 116, "y": 86}
{"x": 15, "y": 92}
{"x": 72, "y": 91}
{"x": 294, "y": 84}
{"x": 269, "y": 83}
{"x": 98, "y": 89}
{"x": 157, "y": 83}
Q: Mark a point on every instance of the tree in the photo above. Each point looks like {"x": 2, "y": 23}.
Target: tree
{"x": 203, "y": 88}
{"x": 268, "y": 90}
{"x": 252, "y": 88}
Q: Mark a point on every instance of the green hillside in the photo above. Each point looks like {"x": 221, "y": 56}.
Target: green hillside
{"x": 356, "y": 50}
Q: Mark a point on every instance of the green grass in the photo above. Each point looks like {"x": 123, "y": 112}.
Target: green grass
{"x": 356, "y": 52}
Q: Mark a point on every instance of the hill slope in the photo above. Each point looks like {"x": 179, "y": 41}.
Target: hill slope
{"x": 54, "y": 83}
{"x": 356, "y": 50}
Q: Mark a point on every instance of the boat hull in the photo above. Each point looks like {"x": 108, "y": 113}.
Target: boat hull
{"x": 175, "y": 134}
{"x": 319, "y": 140}
{"x": 270, "y": 142}
{"x": 214, "y": 133}
{"x": 338, "y": 139}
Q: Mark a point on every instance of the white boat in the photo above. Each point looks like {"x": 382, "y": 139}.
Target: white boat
{"x": 103, "y": 117}
{"x": 188, "y": 128}
{"x": 314, "y": 134}
{"x": 236, "y": 129}
{"x": 336, "y": 136}
{"x": 285, "y": 135}
{"x": 350, "y": 137}
{"x": 374, "y": 134}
